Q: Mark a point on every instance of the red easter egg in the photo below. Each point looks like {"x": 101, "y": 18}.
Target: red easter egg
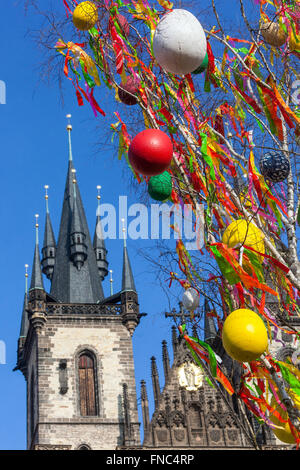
{"x": 150, "y": 152}
{"x": 124, "y": 24}
{"x": 126, "y": 90}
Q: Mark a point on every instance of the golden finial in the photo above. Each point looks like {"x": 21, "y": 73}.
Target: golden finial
{"x": 111, "y": 282}
{"x": 26, "y": 278}
{"x": 98, "y": 195}
{"x": 69, "y": 125}
{"x": 46, "y": 196}
{"x": 124, "y": 231}
{"x": 74, "y": 175}
{"x": 37, "y": 228}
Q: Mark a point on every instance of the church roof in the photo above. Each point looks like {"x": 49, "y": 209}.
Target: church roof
{"x": 69, "y": 284}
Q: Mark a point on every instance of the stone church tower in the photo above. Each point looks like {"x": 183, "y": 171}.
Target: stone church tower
{"x": 75, "y": 346}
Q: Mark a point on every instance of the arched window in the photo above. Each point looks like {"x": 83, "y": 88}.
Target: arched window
{"x": 87, "y": 384}
{"x": 84, "y": 447}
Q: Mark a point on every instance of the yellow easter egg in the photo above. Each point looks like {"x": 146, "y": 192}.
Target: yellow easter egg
{"x": 241, "y": 232}
{"x": 85, "y": 16}
{"x": 294, "y": 43}
{"x": 283, "y": 430}
{"x": 244, "y": 335}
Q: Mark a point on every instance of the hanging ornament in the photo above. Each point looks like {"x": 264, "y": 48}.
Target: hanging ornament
{"x": 240, "y": 232}
{"x": 244, "y": 335}
{"x": 179, "y": 42}
{"x": 160, "y": 186}
{"x": 274, "y": 166}
{"x": 190, "y": 299}
{"x": 127, "y": 90}
{"x": 150, "y": 152}
{"x": 85, "y": 16}
{"x": 282, "y": 431}
{"x": 203, "y": 66}
{"x": 273, "y": 34}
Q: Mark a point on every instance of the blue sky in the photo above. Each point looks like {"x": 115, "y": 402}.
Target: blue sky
{"x": 34, "y": 150}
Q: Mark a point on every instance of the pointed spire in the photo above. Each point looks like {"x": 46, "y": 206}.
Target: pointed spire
{"x": 49, "y": 245}
{"x": 69, "y": 284}
{"x": 145, "y": 408}
{"x": 25, "y": 321}
{"x": 98, "y": 243}
{"x": 166, "y": 360}
{"x": 36, "y": 275}
{"x": 210, "y": 331}
{"x": 127, "y": 276}
{"x": 155, "y": 381}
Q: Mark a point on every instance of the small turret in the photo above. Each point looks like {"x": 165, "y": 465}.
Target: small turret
{"x": 24, "y": 329}
{"x": 37, "y": 293}
{"x": 155, "y": 381}
{"x": 129, "y": 297}
{"x": 49, "y": 246}
{"x": 98, "y": 243}
{"x": 145, "y": 408}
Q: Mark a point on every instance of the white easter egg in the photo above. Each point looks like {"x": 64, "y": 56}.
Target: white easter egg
{"x": 179, "y": 42}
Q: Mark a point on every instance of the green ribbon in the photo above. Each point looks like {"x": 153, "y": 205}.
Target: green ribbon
{"x": 228, "y": 272}
{"x": 206, "y": 157}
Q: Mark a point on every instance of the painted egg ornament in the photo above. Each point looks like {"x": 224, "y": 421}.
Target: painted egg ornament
{"x": 160, "y": 186}
{"x": 179, "y": 42}
{"x": 150, "y": 152}
{"x": 203, "y": 66}
{"x": 275, "y": 166}
{"x": 244, "y": 335}
{"x": 241, "y": 232}
{"x": 190, "y": 299}
{"x": 85, "y": 16}
{"x": 127, "y": 90}
{"x": 273, "y": 34}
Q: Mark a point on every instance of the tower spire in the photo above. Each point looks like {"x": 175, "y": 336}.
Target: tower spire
{"x": 75, "y": 277}
{"x": 49, "y": 245}
{"x": 155, "y": 381}
{"x": 24, "y": 321}
{"x": 127, "y": 276}
{"x": 98, "y": 242}
{"x": 36, "y": 275}
{"x": 145, "y": 408}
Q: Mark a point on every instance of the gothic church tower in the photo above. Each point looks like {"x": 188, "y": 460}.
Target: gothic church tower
{"x": 75, "y": 345}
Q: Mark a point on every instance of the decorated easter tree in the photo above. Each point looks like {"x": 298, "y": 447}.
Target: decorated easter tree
{"x": 216, "y": 125}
